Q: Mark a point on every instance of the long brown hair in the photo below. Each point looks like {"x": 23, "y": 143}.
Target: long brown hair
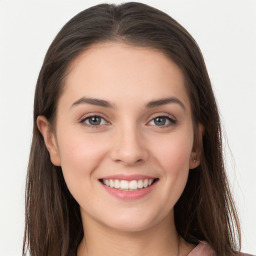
{"x": 205, "y": 211}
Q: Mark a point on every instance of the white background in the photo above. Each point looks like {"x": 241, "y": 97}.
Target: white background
{"x": 226, "y": 32}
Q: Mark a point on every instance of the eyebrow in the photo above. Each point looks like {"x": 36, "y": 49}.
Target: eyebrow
{"x": 165, "y": 101}
{"x": 92, "y": 101}
{"x": 104, "y": 103}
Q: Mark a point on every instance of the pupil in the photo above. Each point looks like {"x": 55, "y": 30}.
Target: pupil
{"x": 94, "y": 120}
{"x": 160, "y": 120}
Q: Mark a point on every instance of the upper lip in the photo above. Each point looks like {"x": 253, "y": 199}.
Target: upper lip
{"x": 127, "y": 177}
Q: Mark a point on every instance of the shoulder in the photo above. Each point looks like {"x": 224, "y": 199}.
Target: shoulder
{"x": 203, "y": 248}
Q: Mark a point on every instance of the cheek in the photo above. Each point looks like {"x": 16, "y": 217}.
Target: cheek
{"x": 79, "y": 157}
{"x": 79, "y": 153}
{"x": 173, "y": 153}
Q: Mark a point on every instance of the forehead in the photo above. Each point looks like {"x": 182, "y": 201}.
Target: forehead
{"x": 117, "y": 71}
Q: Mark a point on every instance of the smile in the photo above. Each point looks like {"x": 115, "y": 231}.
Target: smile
{"x": 129, "y": 187}
{"x": 126, "y": 185}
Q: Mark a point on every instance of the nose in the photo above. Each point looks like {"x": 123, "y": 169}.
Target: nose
{"x": 129, "y": 147}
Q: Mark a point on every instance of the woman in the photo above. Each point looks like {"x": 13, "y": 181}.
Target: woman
{"x": 126, "y": 157}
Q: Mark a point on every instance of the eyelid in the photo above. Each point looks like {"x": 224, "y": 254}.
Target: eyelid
{"x": 94, "y": 114}
{"x": 163, "y": 114}
{"x": 171, "y": 118}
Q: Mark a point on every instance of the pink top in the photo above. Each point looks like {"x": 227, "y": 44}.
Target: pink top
{"x": 204, "y": 249}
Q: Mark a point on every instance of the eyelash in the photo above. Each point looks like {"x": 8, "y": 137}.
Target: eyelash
{"x": 83, "y": 121}
{"x": 97, "y": 126}
{"x": 166, "y": 117}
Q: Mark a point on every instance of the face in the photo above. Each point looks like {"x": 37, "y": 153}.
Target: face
{"x": 124, "y": 135}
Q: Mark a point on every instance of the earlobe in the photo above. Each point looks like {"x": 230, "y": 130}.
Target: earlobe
{"x": 194, "y": 161}
{"x": 49, "y": 139}
{"x": 195, "y": 157}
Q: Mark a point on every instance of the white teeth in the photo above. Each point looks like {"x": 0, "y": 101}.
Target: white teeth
{"x": 111, "y": 183}
{"x": 128, "y": 185}
{"x": 116, "y": 184}
{"x": 145, "y": 183}
{"x": 124, "y": 184}
{"x": 140, "y": 184}
{"x": 133, "y": 184}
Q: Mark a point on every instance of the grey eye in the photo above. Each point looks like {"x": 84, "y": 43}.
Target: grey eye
{"x": 160, "y": 120}
{"x": 94, "y": 120}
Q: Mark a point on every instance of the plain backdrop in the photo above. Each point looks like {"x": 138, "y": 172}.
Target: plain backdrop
{"x": 226, "y": 33}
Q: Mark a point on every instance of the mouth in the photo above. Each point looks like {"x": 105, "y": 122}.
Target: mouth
{"x": 128, "y": 185}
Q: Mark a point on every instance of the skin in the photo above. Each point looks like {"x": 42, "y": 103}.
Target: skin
{"x": 127, "y": 140}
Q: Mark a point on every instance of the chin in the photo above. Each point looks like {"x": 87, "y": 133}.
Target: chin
{"x": 131, "y": 222}
{"x": 129, "y": 226}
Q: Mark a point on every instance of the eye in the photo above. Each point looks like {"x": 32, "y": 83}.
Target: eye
{"x": 94, "y": 121}
{"x": 162, "y": 121}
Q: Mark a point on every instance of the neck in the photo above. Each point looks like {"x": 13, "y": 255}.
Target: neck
{"x": 161, "y": 239}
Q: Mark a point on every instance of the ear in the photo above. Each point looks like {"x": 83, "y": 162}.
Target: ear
{"x": 49, "y": 139}
{"x": 197, "y": 148}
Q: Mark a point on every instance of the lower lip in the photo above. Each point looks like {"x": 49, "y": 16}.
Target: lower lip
{"x": 129, "y": 195}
